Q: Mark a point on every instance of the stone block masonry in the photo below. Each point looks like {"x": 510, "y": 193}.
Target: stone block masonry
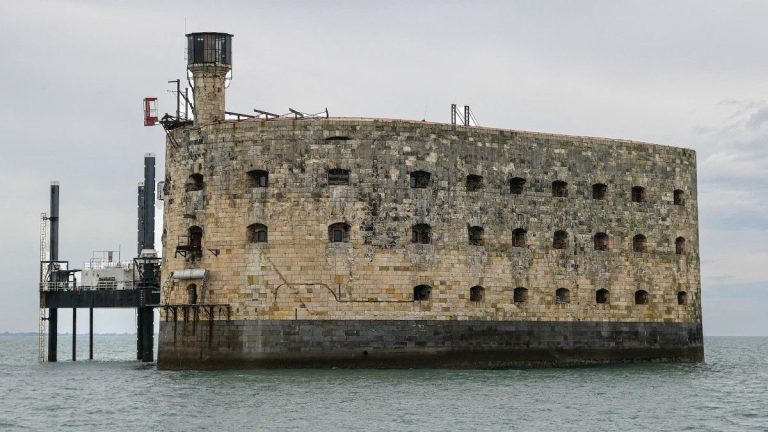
{"x": 470, "y": 232}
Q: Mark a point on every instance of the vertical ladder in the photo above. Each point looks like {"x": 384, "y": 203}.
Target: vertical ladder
{"x": 43, "y": 257}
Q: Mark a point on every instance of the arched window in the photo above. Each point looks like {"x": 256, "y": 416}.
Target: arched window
{"x": 476, "y": 234}
{"x": 516, "y": 185}
{"x": 421, "y": 292}
{"x": 338, "y": 232}
{"x": 641, "y": 297}
{"x": 258, "y": 178}
{"x": 678, "y": 197}
{"x": 601, "y": 241}
{"x": 474, "y": 183}
{"x": 257, "y": 233}
{"x": 562, "y": 295}
{"x": 680, "y": 245}
{"x": 639, "y": 243}
{"x": 682, "y": 298}
{"x": 560, "y": 240}
{"x": 519, "y": 238}
{"x": 598, "y": 191}
{"x": 195, "y": 234}
{"x": 476, "y": 293}
{"x": 192, "y": 294}
{"x": 638, "y": 194}
{"x": 559, "y": 189}
{"x": 338, "y": 177}
{"x": 420, "y": 179}
{"x": 601, "y": 296}
{"x": 194, "y": 183}
{"x": 520, "y": 295}
{"x": 421, "y": 233}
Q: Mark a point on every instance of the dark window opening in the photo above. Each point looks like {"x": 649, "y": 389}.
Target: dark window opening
{"x": 476, "y": 235}
{"x": 639, "y": 243}
{"x": 338, "y": 138}
{"x": 420, "y": 179}
{"x": 474, "y": 183}
{"x": 601, "y": 241}
{"x": 421, "y": 233}
{"x": 598, "y": 191}
{"x": 559, "y": 189}
{"x": 257, "y": 233}
{"x": 638, "y": 194}
{"x": 601, "y": 296}
{"x": 338, "y": 232}
{"x": 194, "y": 183}
{"x": 680, "y": 245}
{"x": 516, "y": 185}
{"x": 678, "y": 197}
{"x": 195, "y": 241}
{"x": 519, "y": 238}
{"x": 562, "y": 295}
{"x": 338, "y": 177}
{"x": 476, "y": 293}
{"x": 192, "y": 294}
{"x": 641, "y": 297}
{"x": 520, "y": 295}
{"x": 421, "y": 292}
{"x": 560, "y": 240}
{"x": 258, "y": 178}
{"x": 682, "y": 298}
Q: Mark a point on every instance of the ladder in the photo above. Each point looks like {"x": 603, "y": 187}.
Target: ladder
{"x": 43, "y": 257}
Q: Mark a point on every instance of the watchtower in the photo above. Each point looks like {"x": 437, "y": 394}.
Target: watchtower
{"x": 209, "y": 59}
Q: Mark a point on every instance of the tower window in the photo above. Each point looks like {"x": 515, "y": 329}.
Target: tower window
{"x": 519, "y": 238}
{"x": 257, "y": 233}
{"x": 520, "y": 295}
{"x": 476, "y": 235}
{"x": 258, "y": 178}
{"x": 516, "y": 185}
{"x": 678, "y": 197}
{"x": 598, "y": 191}
{"x": 560, "y": 240}
{"x": 476, "y": 293}
{"x": 639, "y": 243}
{"x": 601, "y": 241}
{"x": 601, "y": 296}
{"x": 194, "y": 183}
{"x": 195, "y": 234}
{"x": 338, "y": 177}
{"x": 641, "y": 297}
{"x": 474, "y": 183}
{"x": 420, "y": 179}
{"x": 421, "y": 233}
{"x": 682, "y": 298}
{"x": 192, "y": 294}
{"x": 562, "y": 295}
{"x": 338, "y": 232}
{"x": 559, "y": 189}
{"x": 680, "y": 245}
{"x": 422, "y": 292}
{"x": 638, "y": 194}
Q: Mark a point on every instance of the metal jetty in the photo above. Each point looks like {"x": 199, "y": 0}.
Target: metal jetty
{"x": 103, "y": 282}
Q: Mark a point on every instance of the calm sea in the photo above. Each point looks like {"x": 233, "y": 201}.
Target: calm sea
{"x": 727, "y": 393}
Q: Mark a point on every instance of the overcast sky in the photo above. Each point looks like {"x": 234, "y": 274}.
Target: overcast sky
{"x": 683, "y": 73}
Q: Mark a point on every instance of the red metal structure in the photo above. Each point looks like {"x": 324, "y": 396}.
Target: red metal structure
{"x": 150, "y": 111}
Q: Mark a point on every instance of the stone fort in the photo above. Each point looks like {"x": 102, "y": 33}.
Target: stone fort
{"x": 298, "y": 242}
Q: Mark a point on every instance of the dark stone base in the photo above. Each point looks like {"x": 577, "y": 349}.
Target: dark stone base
{"x": 422, "y": 344}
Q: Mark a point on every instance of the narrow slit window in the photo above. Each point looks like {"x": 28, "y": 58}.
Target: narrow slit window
{"x": 192, "y": 294}
{"x": 680, "y": 245}
{"x": 338, "y": 177}
{"x": 682, "y": 298}
{"x": 678, "y": 197}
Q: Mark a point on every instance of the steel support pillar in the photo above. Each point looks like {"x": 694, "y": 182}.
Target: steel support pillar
{"x": 147, "y": 334}
{"x": 53, "y": 320}
{"x": 74, "y": 334}
{"x": 90, "y": 334}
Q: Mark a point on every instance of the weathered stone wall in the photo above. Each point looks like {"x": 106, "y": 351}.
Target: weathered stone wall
{"x": 299, "y": 274}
